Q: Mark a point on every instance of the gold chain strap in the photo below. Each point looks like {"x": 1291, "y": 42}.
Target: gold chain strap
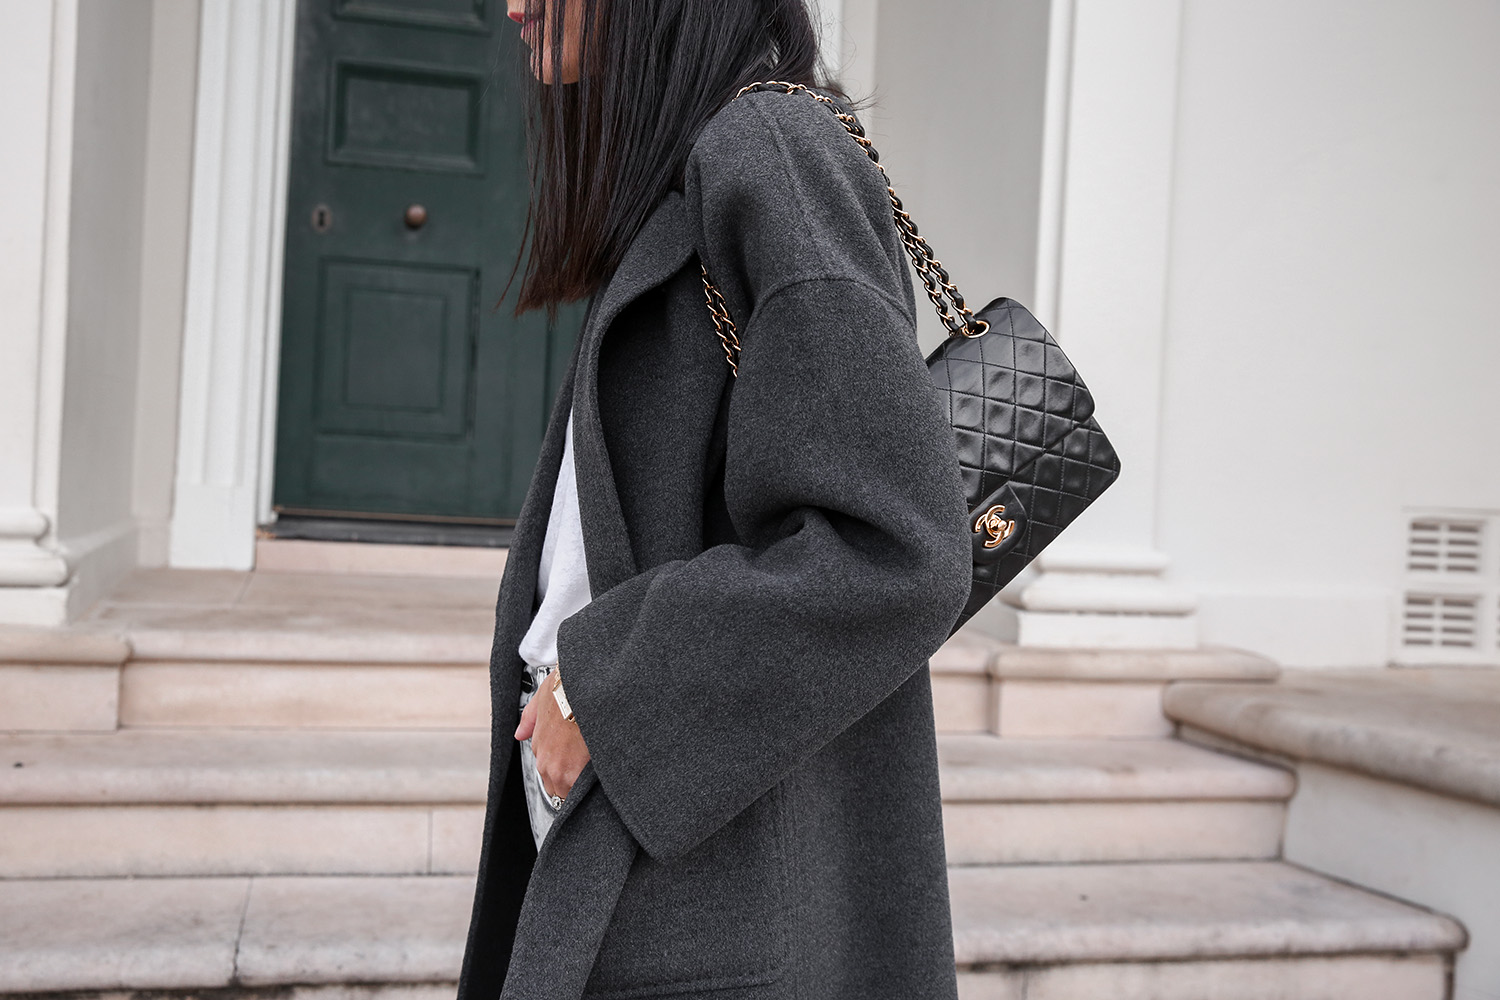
{"x": 940, "y": 288}
{"x": 722, "y": 323}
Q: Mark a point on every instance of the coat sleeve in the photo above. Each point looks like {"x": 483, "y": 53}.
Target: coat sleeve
{"x": 699, "y": 684}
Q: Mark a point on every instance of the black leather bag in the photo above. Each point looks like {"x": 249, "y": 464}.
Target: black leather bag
{"x": 1031, "y": 454}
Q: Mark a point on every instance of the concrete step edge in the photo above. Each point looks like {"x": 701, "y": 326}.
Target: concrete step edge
{"x": 138, "y": 766}
{"x": 977, "y": 767}
{"x": 197, "y": 933}
{"x": 271, "y": 767}
{"x": 1041, "y": 914}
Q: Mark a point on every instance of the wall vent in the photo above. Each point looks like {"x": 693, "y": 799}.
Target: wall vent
{"x": 1434, "y": 546}
{"x": 1435, "y": 620}
{"x": 1452, "y": 583}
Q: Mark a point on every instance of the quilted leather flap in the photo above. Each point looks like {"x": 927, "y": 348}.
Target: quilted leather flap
{"x": 1012, "y": 394}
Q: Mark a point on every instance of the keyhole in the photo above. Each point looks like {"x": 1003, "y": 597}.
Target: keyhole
{"x": 322, "y": 219}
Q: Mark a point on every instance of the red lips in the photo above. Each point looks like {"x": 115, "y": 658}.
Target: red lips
{"x": 517, "y": 16}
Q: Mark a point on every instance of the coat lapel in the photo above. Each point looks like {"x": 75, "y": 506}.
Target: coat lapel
{"x": 584, "y": 859}
{"x": 663, "y": 245}
{"x": 489, "y": 939}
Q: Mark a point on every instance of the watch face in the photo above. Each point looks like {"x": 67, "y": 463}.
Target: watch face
{"x": 562, "y": 700}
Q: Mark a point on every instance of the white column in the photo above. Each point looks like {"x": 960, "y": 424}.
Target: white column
{"x": 233, "y": 310}
{"x": 1103, "y": 247}
{"x": 830, "y": 14}
{"x": 858, "y": 20}
{"x": 37, "y": 57}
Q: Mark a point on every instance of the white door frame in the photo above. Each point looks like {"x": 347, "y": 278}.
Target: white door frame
{"x": 232, "y": 314}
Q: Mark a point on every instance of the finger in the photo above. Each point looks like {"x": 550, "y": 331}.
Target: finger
{"x": 528, "y": 721}
{"x": 548, "y": 786}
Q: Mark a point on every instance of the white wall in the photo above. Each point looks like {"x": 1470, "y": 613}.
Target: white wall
{"x": 99, "y": 138}
{"x": 1429, "y": 849}
{"x": 1330, "y": 343}
{"x": 1274, "y": 267}
{"x": 960, "y": 92}
{"x": 169, "y": 156}
{"x": 1332, "y": 348}
{"x": 829, "y": 17}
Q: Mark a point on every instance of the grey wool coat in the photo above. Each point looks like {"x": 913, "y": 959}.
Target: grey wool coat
{"x": 773, "y": 558}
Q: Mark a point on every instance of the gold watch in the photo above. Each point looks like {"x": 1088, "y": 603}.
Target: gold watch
{"x": 562, "y": 699}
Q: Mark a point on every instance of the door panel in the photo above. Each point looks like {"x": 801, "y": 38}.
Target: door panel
{"x": 463, "y": 15}
{"x": 418, "y": 117}
{"x": 395, "y": 349}
{"x": 404, "y": 390}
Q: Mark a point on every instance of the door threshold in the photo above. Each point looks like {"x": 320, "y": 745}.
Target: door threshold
{"x": 299, "y": 548}
{"x": 300, "y": 555}
{"x": 387, "y": 532}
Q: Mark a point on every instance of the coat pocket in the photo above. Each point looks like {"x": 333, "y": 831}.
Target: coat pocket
{"x": 714, "y": 918}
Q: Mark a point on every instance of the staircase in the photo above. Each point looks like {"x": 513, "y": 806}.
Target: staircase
{"x": 275, "y": 784}
{"x": 1093, "y": 856}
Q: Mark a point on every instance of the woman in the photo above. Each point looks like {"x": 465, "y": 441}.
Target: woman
{"x": 744, "y": 803}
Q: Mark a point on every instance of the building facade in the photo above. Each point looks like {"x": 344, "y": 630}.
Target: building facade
{"x": 253, "y": 276}
{"x": 1263, "y": 232}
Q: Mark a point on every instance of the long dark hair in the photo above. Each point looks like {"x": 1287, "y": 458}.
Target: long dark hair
{"x": 603, "y": 151}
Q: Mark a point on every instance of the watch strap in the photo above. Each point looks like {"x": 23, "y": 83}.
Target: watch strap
{"x": 562, "y": 698}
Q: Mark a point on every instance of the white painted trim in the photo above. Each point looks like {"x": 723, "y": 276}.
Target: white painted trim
{"x": 232, "y": 311}
{"x": 24, "y": 561}
{"x": 282, "y": 137}
{"x": 52, "y": 358}
{"x": 1054, "y": 163}
{"x": 1097, "y": 630}
{"x": 32, "y": 569}
{"x": 97, "y": 561}
{"x": 1103, "y": 253}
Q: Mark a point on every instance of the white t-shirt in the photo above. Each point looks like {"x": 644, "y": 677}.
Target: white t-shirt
{"x": 562, "y": 577}
{"x": 563, "y": 586}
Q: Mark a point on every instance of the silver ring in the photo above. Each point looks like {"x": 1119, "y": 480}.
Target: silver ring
{"x": 555, "y": 800}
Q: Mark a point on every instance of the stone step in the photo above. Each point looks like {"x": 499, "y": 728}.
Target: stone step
{"x": 983, "y": 685}
{"x": 1232, "y": 931}
{"x": 402, "y": 936}
{"x": 358, "y": 669}
{"x": 301, "y": 555}
{"x": 315, "y": 678}
{"x": 1028, "y": 801}
{"x": 359, "y": 650}
{"x": 222, "y": 802}
{"x": 1184, "y": 931}
{"x": 305, "y": 650}
{"x": 304, "y": 694}
{"x": 192, "y": 767}
{"x": 59, "y": 679}
{"x": 217, "y": 802}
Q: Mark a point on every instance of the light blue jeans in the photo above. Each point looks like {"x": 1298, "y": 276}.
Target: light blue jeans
{"x": 537, "y": 802}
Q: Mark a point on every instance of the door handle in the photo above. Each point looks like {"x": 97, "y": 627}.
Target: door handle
{"x": 416, "y": 216}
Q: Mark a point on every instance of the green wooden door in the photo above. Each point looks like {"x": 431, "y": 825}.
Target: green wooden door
{"x": 403, "y": 392}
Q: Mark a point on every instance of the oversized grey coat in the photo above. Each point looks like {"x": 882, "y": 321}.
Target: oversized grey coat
{"x": 760, "y": 817}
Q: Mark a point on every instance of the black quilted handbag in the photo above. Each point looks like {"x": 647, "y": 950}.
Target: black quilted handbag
{"x": 1030, "y": 451}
